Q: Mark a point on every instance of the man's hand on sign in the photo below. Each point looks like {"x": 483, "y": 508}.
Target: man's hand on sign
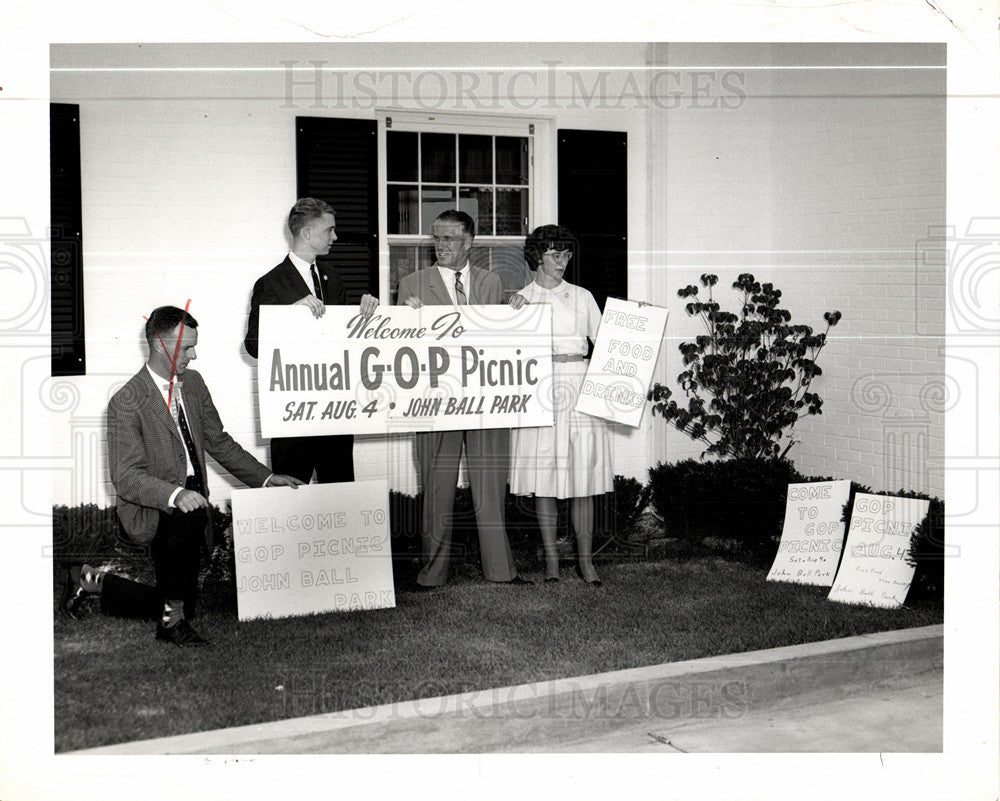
{"x": 315, "y": 305}
{"x": 413, "y": 302}
{"x": 281, "y": 480}
{"x": 368, "y": 305}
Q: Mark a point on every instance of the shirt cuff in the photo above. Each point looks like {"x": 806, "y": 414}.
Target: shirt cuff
{"x": 173, "y": 497}
{"x": 267, "y": 479}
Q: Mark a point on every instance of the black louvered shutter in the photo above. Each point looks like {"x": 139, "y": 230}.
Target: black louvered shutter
{"x": 337, "y": 161}
{"x": 593, "y": 204}
{"x": 68, "y": 346}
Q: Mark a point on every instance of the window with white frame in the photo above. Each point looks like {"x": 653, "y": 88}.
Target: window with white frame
{"x": 487, "y": 173}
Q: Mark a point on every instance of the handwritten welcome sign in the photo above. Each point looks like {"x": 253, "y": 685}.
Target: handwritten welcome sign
{"x": 813, "y": 533}
{"x": 621, "y": 366}
{"x": 874, "y": 568}
{"x": 316, "y": 548}
{"x": 403, "y": 369}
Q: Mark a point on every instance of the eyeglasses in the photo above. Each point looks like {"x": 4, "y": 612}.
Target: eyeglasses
{"x": 559, "y": 255}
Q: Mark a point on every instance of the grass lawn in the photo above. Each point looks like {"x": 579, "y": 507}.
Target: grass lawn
{"x": 114, "y": 683}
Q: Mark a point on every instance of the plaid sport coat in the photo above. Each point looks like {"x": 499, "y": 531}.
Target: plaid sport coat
{"x": 146, "y": 454}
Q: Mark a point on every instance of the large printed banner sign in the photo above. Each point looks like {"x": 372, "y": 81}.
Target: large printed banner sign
{"x": 402, "y": 369}
{"x": 315, "y": 548}
{"x": 813, "y": 533}
{"x": 874, "y": 569}
{"x": 621, "y": 366}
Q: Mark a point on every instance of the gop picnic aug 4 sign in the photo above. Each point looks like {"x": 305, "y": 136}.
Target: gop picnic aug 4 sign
{"x": 403, "y": 369}
{"x": 875, "y": 569}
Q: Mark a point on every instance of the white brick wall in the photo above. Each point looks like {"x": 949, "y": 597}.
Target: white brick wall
{"x": 822, "y": 182}
{"x": 836, "y": 176}
{"x": 187, "y": 181}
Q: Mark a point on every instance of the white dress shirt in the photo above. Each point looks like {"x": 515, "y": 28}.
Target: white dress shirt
{"x": 448, "y": 277}
{"x": 305, "y": 270}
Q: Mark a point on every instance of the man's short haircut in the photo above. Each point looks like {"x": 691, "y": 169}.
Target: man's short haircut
{"x": 460, "y": 217}
{"x": 306, "y": 210}
{"x": 547, "y": 237}
{"x": 165, "y": 319}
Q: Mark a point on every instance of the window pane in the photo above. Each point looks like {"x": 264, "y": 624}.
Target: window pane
{"x": 475, "y": 155}
{"x": 402, "y": 210}
{"x": 477, "y": 202}
{"x": 401, "y": 156}
{"x": 512, "y": 212}
{"x": 512, "y": 160}
{"x": 437, "y": 157}
{"x": 434, "y": 200}
{"x": 403, "y": 260}
{"x": 508, "y": 262}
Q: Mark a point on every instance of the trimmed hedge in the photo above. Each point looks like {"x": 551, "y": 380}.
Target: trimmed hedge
{"x": 91, "y": 534}
{"x": 743, "y": 501}
{"x": 737, "y": 499}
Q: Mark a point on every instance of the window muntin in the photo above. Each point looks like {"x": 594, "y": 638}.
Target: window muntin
{"x": 487, "y": 175}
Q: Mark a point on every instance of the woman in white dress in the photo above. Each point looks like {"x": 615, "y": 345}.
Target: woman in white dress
{"x": 571, "y": 459}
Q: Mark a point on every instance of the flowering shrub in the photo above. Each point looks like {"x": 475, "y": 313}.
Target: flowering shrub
{"x": 748, "y": 377}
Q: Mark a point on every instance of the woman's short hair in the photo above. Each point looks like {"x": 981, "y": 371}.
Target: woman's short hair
{"x": 547, "y": 237}
{"x": 306, "y": 210}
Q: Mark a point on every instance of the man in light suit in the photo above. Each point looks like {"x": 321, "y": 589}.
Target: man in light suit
{"x": 452, "y": 280}
{"x": 160, "y": 426}
{"x": 299, "y": 281}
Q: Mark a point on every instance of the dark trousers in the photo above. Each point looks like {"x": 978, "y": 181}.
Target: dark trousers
{"x": 122, "y": 597}
{"x": 332, "y": 457}
{"x": 176, "y": 551}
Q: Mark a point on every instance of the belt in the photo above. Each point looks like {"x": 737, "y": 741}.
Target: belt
{"x": 568, "y": 357}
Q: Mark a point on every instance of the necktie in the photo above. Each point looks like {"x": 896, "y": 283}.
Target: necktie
{"x": 177, "y": 412}
{"x": 199, "y": 479}
{"x": 317, "y": 287}
{"x": 460, "y": 295}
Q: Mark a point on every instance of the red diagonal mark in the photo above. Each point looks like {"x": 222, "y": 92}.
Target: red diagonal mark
{"x": 177, "y": 350}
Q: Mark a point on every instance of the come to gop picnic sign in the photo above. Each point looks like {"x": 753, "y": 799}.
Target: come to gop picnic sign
{"x": 403, "y": 369}
{"x": 813, "y": 533}
{"x": 621, "y": 366}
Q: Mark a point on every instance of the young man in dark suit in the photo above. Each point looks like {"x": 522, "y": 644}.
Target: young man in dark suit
{"x": 299, "y": 281}
{"x": 160, "y": 426}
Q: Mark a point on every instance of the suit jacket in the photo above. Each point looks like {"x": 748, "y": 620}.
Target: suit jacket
{"x": 146, "y": 453}
{"x": 486, "y": 287}
{"x": 283, "y": 286}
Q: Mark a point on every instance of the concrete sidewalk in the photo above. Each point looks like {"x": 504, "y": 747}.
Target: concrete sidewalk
{"x": 872, "y": 693}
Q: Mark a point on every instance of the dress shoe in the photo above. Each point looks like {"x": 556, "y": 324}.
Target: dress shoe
{"x": 594, "y": 583}
{"x": 517, "y": 581}
{"x": 416, "y": 587}
{"x": 74, "y": 597}
{"x": 552, "y": 579}
{"x": 182, "y": 634}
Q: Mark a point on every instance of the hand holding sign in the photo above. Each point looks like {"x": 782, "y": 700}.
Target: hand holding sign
{"x": 621, "y": 367}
